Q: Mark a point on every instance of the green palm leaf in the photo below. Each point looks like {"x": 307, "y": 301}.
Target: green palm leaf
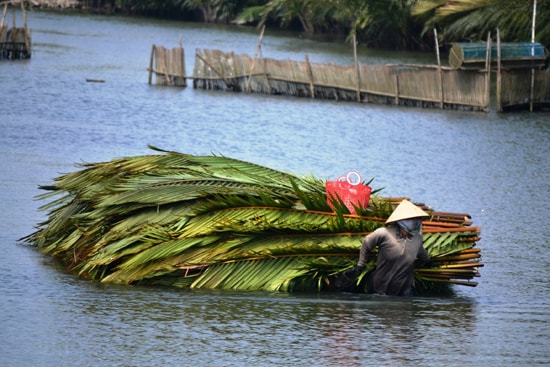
{"x": 473, "y": 19}
{"x": 216, "y": 222}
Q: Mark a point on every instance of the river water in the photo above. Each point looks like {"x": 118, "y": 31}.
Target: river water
{"x": 493, "y": 166}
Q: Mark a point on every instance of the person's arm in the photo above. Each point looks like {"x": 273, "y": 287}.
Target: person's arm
{"x": 369, "y": 242}
{"x": 424, "y": 257}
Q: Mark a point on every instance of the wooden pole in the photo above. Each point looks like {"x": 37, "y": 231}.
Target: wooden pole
{"x": 258, "y": 48}
{"x": 357, "y": 70}
{"x": 396, "y": 89}
{"x": 25, "y": 31}
{"x": 499, "y": 74}
{"x": 266, "y": 75}
{"x": 3, "y": 29}
{"x": 24, "y": 15}
{"x": 182, "y": 61}
{"x": 533, "y": 69}
{"x": 440, "y": 76}
{"x": 166, "y": 54}
{"x": 310, "y": 77}
{"x": 487, "y": 73}
{"x": 4, "y": 15}
{"x": 151, "y": 64}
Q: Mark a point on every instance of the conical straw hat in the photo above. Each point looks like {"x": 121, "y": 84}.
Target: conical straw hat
{"x": 406, "y": 210}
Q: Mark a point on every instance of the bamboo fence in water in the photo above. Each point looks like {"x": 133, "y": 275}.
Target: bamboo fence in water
{"x": 168, "y": 66}
{"x": 408, "y": 85}
{"x": 15, "y": 42}
{"x": 417, "y": 85}
{"x": 515, "y": 90}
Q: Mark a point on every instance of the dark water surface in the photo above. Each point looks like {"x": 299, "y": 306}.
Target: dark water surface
{"x": 493, "y": 166}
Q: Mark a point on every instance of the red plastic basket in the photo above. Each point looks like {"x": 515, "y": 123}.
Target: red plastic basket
{"x": 350, "y": 190}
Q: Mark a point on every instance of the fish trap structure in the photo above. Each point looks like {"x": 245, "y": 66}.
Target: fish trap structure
{"x": 15, "y": 42}
{"x": 522, "y": 79}
{"x": 523, "y": 89}
{"x": 168, "y": 66}
{"x": 519, "y": 55}
{"x": 464, "y": 85}
{"x": 428, "y": 86}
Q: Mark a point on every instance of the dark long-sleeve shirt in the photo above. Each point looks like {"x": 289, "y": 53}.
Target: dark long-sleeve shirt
{"x": 394, "y": 271}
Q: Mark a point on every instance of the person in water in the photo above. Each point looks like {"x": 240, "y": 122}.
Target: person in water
{"x": 399, "y": 245}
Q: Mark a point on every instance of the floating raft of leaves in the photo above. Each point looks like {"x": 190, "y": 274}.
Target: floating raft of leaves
{"x": 215, "y": 222}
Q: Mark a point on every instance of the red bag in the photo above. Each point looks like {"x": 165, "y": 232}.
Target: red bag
{"x": 350, "y": 190}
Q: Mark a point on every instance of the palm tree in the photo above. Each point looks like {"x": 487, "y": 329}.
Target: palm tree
{"x": 311, "y": 14}
{"x": 216, "y": 222}
{"x": 390, "y": 24}
{"x": 382, "y": 23}
{"x": 473, "y": 19}
{"x": 214, "y": 11}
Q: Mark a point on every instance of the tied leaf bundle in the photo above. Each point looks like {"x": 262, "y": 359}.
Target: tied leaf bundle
{"x": 214, "y": 222}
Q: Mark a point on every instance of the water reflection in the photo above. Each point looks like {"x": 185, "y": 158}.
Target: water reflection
{"x": 255, "y": 328}
{"x": 396, "y": 331}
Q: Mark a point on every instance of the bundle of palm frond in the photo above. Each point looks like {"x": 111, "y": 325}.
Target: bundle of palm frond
{"x": 216, "y": 222}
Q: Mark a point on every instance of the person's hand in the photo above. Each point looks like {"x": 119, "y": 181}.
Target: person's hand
{"x": 354, "y": 272}
{"x": 430, "y": 264}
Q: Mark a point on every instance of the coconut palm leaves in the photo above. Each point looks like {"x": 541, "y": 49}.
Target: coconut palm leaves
{"x": 385, "y": 23}
{"x": 216, "y": 222}
{"x": 474, "y": 19}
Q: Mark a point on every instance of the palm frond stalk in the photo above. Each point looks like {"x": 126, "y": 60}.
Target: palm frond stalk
{"x": 214, "y": 222}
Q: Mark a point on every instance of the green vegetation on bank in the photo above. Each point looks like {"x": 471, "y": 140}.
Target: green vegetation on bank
{"x": 396, "y": 24}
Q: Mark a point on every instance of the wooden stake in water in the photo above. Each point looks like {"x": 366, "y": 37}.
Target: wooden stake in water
{"x": 499, "y": 75}
{"x": 439, "y": 67}
{"x": 258, "y": 50}
{"x": 533, "y": 54}
{"x": 357, "y": 70}
{"x": 488, "y": 72}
